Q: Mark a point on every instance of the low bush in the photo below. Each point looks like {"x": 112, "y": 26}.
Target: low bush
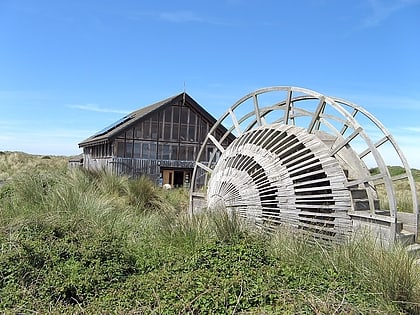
{"x": 89, "y": 242}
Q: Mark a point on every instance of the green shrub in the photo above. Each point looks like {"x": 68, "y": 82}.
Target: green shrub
{"x": 145, "y": 196}
{"x": 82, "y": 242}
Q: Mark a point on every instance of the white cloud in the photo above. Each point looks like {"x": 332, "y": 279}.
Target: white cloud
{"x": 180, "y": 17}
{"x": 6, "y": 137}
{"x": 96, "y": 108}
{"x": 56, "y": 141}
{"x": 413, "y": 129}
{"x": 408, "y": 139}
{"x": 411, "y": 102}
{"x": 51, "y": 147}
{"x": 383, "y": 9}
{"x": 188, "y": 17}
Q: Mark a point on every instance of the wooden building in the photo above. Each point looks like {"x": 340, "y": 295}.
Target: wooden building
{"x": 161, "y": 141}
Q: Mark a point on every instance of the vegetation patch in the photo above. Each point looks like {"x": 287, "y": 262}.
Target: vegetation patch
{"x": 79, "y": 242}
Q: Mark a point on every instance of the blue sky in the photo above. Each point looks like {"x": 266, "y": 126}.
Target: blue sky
{"x": 70, "y": 68}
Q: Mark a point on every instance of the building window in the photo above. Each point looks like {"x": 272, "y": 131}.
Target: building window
{"x": 120, "y": 149}
{"x": 129, "y": 134}
{"x": 165, "y": 152}
{"x": 175, "y": 132}
{"x": 154, "y": 127}
{"x": 146, "y": 129}
{"x": 145, "y": 148}
{"x": 193, "y": 118}
{"x": 153, "y": 151}
{"x": 191, "y": 153}
{"x": 137, "y": 150}
{"x": 174, "y": 153}
{"x": 187, "y": 153}
{"x": 209, "y": 153}
{"x": 175, "y": 114}
{"x": 129, "y": 149}
{"x": 184, "y": 115}
{"x": 168, "y": 115}
{"x": 204, "y": 129}
{"x": 191, "y": 133}
{"x": 183, "y": 135}
{"x": 167, "y": 131}
{"x": 182, "y": 153}
{"x": 138, "y": 132}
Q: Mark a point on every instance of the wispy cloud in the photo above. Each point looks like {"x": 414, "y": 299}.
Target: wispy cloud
{"x": 410, "y": 102}
{"x": 48, "y": 141}
{"x": 179, "y": 16}
{"x": 6, "y": 137}
{"x": 412, "y": 129}
{"x": 188, "y": 17}
{"x": 381, "y": 10}
{"x": 96, "y": 108}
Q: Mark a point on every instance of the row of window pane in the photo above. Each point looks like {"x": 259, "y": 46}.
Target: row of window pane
{"x": 103, "y": 150}
{"x": 169, "y": 131}
{"x": 176, "y": 114}
{"x": 162, "y": 151}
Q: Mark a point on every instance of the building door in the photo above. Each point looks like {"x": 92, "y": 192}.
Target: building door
{"x": 168, "y": 177}
{"x": 178, "y": 178}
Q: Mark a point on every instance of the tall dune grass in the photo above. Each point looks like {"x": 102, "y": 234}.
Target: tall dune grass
{"x": 79, "y": 242}
{"x": 13, "y": 163}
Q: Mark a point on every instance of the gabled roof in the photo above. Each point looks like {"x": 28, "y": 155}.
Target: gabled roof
{"x": 114, "y": 129}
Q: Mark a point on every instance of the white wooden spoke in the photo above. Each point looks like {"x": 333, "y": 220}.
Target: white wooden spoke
{"x": 345, "y": 126}
{"x": 287, "y": 106}
{"x": 345, "y": 141}
{"x": 314, "y": 124}
{"x": 303, "y": 168}
{"x": 257, "y": 110}
{"x": 376, "y": 145}
{"x": 235, "y": 122}
{"x": 204, "y": 167}
{"x": 331, "y": 127}
{"x": 366, "y": 179}
{"x": 216, "y": 143}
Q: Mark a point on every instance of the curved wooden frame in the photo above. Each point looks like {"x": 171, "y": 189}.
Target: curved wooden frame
{"x": 325, "y": 114}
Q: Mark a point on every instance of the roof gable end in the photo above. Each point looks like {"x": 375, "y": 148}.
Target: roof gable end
{"x": 111, "y": 131}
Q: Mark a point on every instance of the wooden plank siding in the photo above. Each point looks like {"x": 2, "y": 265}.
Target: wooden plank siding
{"x": 135, "y": 167}
{"x": 164, "y": 135}
{"x": 138, "y": 167}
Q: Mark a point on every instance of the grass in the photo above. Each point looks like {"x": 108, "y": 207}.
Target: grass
{"x": 402, "y": 194}
{"x": 401, "y": 188}
{"x": 398, "y": 170}
{"x": 78, "y": 242}
{"x": 13, "y": 163}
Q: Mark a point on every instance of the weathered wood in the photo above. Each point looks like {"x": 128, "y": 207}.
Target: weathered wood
{"x": 306, "y": 175}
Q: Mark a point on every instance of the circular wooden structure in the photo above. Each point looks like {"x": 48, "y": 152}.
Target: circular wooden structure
{"x": 305, "y": 159}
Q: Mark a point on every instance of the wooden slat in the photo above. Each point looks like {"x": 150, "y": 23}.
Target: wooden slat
{"x": 364, "y": 180}
{"x": 345, "y": 126}
{"x": 400, "y": 177}
{"x": 198, "y": 195}
{"x": 344, "y": 142}
{"x": 376, "y": 145}
{"x": 314, "y": 124}
{"x": 257, "y": 110}
{"x": 287, "y": 107}
{"x": 216, "y": 143}
{"x": 204, "y": 167}
{"x": 235, "y": 122}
